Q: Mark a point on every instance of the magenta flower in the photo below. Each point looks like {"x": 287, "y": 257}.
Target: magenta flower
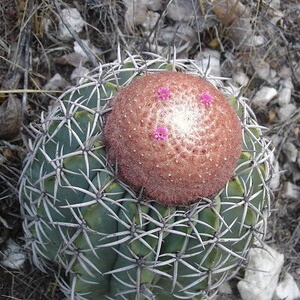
{"x": 161, "y": 133}
{"x": 206, "y": 98}
{"x": 163, "y": 93}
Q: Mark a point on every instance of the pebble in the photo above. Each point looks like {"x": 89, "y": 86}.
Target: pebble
{"x": 284, "y": 113}
{"x": 285, "y": 72}
{"x": 287, "y": 289}
{"x": 14, "y": 256}
{"x": 275, "y": 180}
{"x": 262, "y": 273}
{"x": 240, "y": 78}
{"x": 291, "y": 152}
{"x": 57, "y": 82}
{"x": 291, "y": 191}
{"x": 213, "y": 58}
{"x": 73, "y": 17}
{"x": 284, "y": 96}
{"x": 151, "y": 20}
{"x": 263, "y": 71}
{"x": 78, "y": 73}
{"x": 264, "y": 96}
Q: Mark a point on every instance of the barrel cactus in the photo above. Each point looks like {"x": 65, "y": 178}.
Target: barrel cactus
{"x": 148, "y": 180}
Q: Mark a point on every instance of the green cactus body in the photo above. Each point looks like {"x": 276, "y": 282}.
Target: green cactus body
{"x": 113, "y": 240}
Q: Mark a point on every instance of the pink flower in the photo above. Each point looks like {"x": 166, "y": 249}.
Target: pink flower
{"x": 163, "y": 93}
{"x": 161, "y": 133}
{"x": 206, "y": 98}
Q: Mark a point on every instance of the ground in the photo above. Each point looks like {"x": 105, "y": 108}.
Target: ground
{"x": 32, "y": 51}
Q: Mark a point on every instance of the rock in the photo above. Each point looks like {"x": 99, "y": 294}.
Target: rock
{"x": 14, "y": 256}
{"x": 291, "y": 152}
{"x": 264, "y": 96}
{"x": 182, "y": 10}
{"x": 181, "y": 35}
{"x": 78, "y": 49}
{"x": 240, "y": 78}
{"x": 261, "y": 275}
{"x": 151, "y": 20}
{"x": 284, "y": 96}
{"x": 57, "y": 82}
{"x": 153, "y": 5}
{"x": 262, "y": 70}
{"x": 275, "y": 4}
{"x": 288, "y": 83}
{"x": 284, "y": 113}
{"x": 78, "y": 73}
{"x": 285, "y": 72}
{"x": 225, "y": 288}
{"x": 211, "y": 57}
{"x": 287, "y": 289}
{"x": 291, "y": 191}
{"x": 137, "y": 11}
{"x": 275, "y": 180}
{"x": 74, "y": 19}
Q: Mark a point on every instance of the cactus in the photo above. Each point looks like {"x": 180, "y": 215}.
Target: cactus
{"x": 148, "y": 180}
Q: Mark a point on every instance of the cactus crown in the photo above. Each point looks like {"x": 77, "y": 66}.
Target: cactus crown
{"x": 111, "y": 241}
{"x": 174, "y": 134}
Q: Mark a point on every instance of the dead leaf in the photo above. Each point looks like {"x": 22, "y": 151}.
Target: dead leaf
{"x": 10, "y": 117}
{"x": 228, "y": 11}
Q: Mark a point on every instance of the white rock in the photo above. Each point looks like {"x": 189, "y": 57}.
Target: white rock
{"x": 291, "y": 191}
{"x": 288, "y": 83}
{"x": 211, "y": 57}
{"x": 153, "y": 5}
{"x": 73, "y": 17}
{"x": 287, "y": 289}
{"x": 285, "y": 112}
{"x": 225, "y": 288}
{"x": 137, "y": 11}
{"x": 151, "y": 20}
{"x": 291, "y": 152}
{"x": 182, "y": 10}
{"x": 258, "y": 40}
{"x": 262, "y": 274}
{"x": 275, "y": 4}
{"x": 13, "y": 256}
{"x": 285, "y": 72}
{"x": 263, "y": 70}
{"x": 284, "y": 96}
{"x": 264, "y": 96}
{"x": 78, "y": 49}
{"x": 275, "y": 180}
{"x": 78, "y": 73}
{"x": 240, "y": 78}
{"x": 57, "y": 82}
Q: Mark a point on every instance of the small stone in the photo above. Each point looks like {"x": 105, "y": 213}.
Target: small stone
{"x": 225, "y": 288}
{"x": 284, "y": 113}
{"x": 288, "y": 83}
{"x": 291, "y": 152}
{"x": 262, "y": 274}
{"x": 284, "y": 96}
{"x": 74, "y": 19}
{"x": 78, "y": 49}
{"x": 285, "y": 72}
{"x": 14, "y": 256}
{"x": 275, "y": 4}
{"x": 78, "y": 73}
{"x": 182, "y": 10}
{"x": 57, "y": 82}
{"x": 287, "y": 289}
{"x": 263, "y": 70}
{"x": 291, "y": 191}
{"x": 211, "y": 57}
{"x": 240, "y": 78}
{"x": 275, "y": 180}
{"x": 264, "y": 96}
{"x": 151, "y": 20}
